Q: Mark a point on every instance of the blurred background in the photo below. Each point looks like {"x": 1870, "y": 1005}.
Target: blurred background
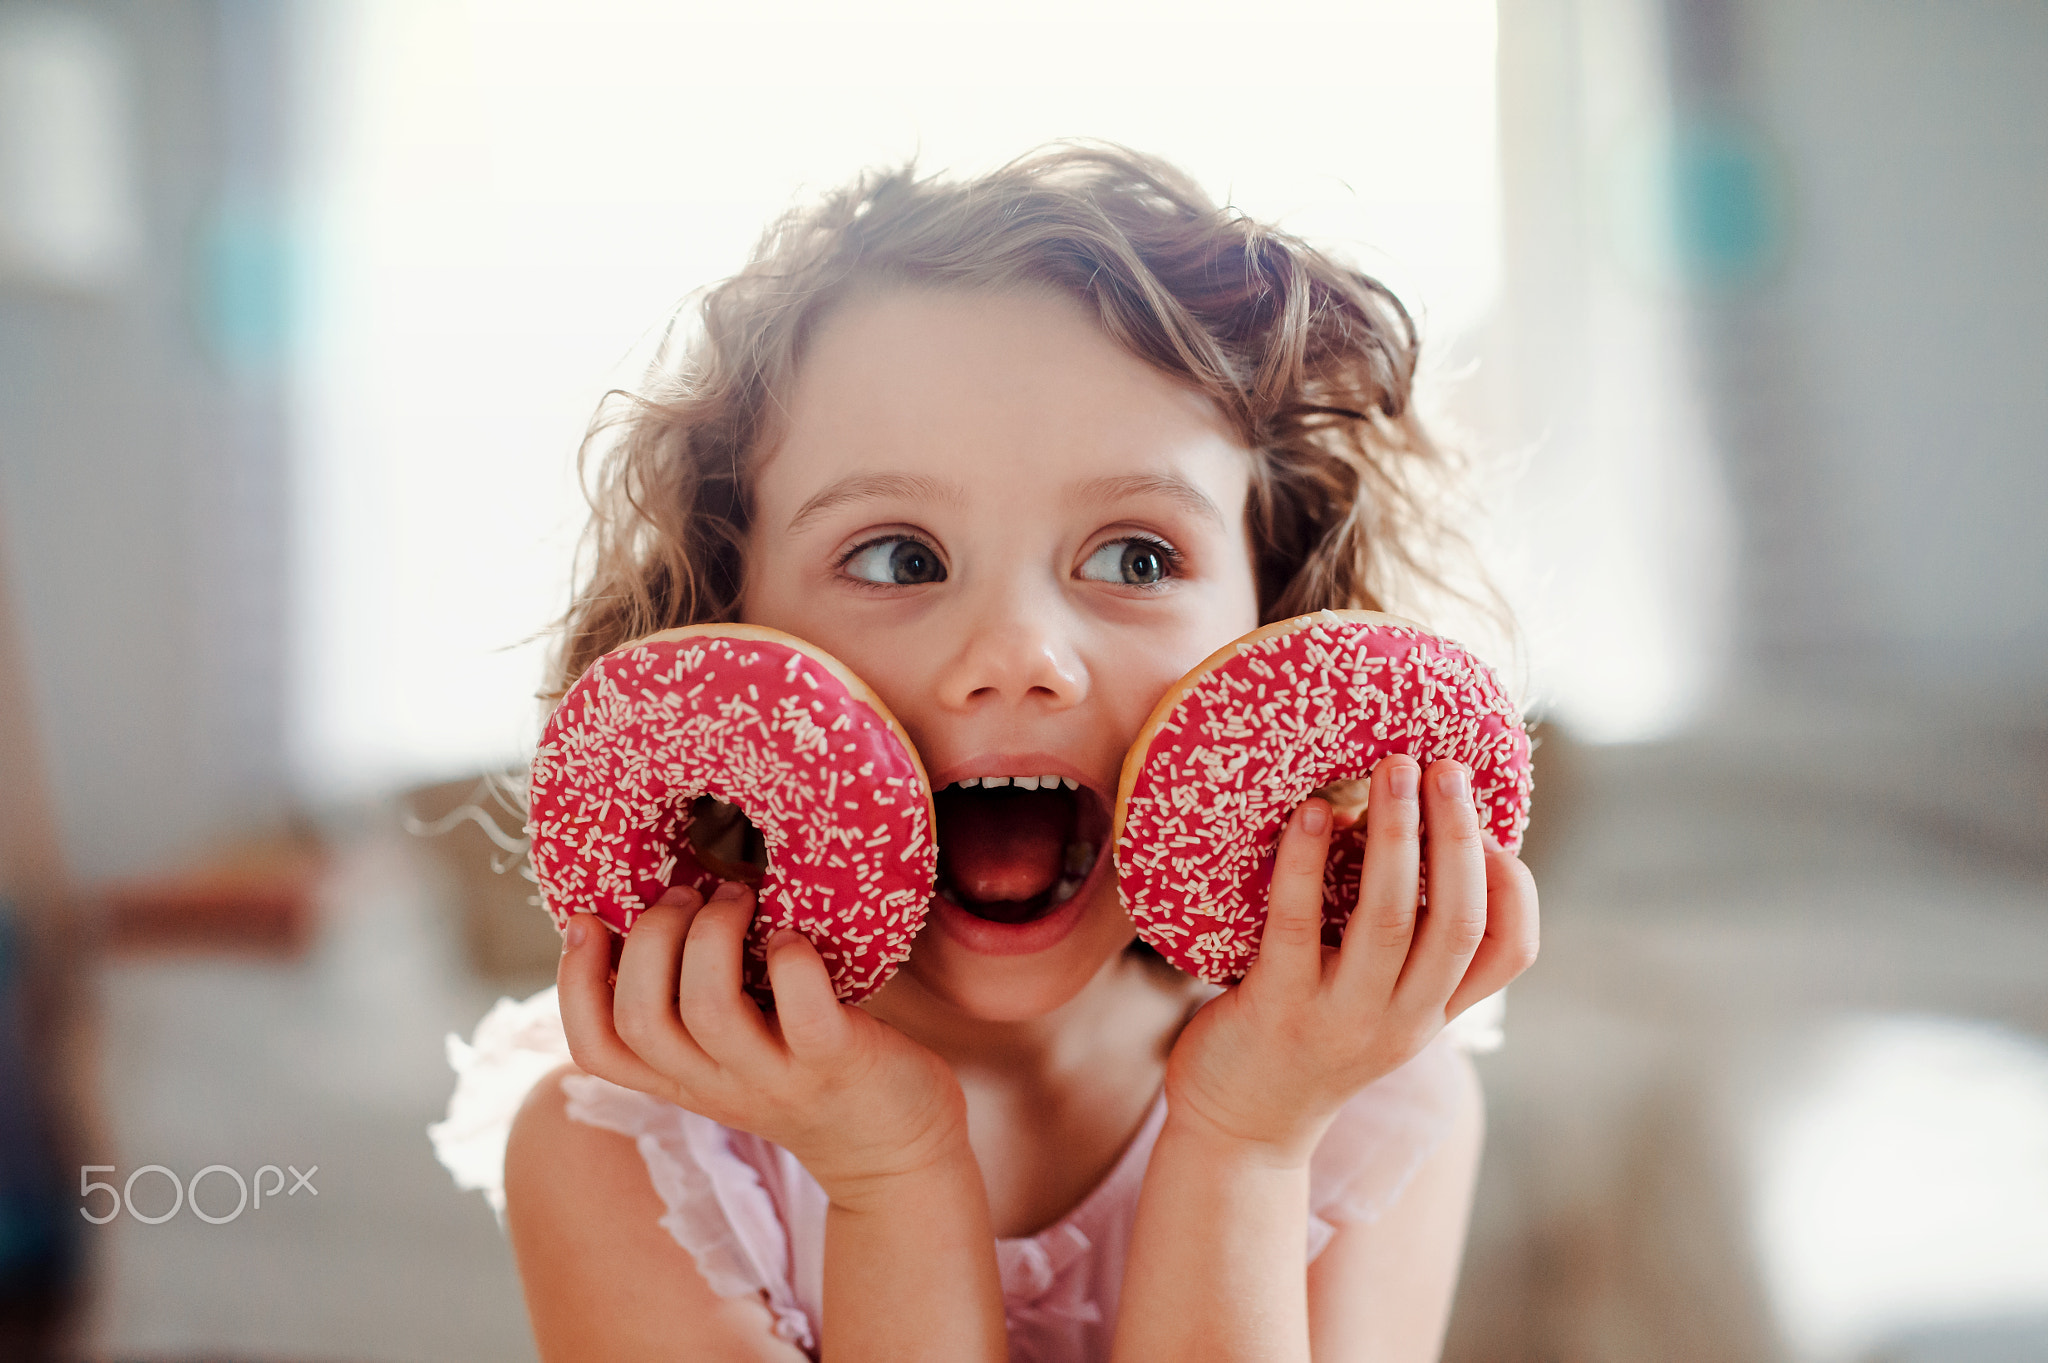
{"x": 1742, "y": 304}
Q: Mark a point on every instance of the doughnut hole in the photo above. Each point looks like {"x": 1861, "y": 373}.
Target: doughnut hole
{"x": 1347, "y": 801}
{"x": 725, "y": 842}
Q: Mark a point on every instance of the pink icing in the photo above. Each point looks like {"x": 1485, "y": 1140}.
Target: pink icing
{"x": 1289, "y": 711}
{"x": 838, "y": 797}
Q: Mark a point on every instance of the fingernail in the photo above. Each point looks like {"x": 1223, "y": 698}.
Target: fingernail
{"x": 1315, "y": 818}
{"x": 729, "y": 889}
{"x": 1455, "y": 783}
{"x": 578, "y": 930}
{"x": 1406, "y": 780}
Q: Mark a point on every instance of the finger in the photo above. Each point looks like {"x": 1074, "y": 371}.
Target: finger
{"x": 1454, "y": 921}
{"x": 810, "y": 1017}
{"x": 586, "y": 1003}
{"x": 644, "y": 1000}
{"x": 1382, "y": 927}
{"x": 1291, "y": 945}
{"x": 1510, "y": 944}
{"x": 715, "y": 1007}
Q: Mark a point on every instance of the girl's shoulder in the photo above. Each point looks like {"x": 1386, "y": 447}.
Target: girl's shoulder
{"x": 580, "y": 1205}
{"x": 1385, "y": 1134}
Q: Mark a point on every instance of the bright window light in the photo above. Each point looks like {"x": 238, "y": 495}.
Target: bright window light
{"x": 1906, "y": 1186}
{"x": 68, "y": 212}
{"x": 514, "y": 194}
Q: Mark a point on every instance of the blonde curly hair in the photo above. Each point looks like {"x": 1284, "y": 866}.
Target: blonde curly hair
{"x": 1312, "y": 362}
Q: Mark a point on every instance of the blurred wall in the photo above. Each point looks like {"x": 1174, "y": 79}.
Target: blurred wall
{"x": 143, "y": 495}
{"x": 1878, "y": 363}
{"x": 1775, "y": 331}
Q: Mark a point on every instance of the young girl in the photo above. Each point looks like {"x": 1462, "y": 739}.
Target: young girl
{"x": 1020, "y": 451}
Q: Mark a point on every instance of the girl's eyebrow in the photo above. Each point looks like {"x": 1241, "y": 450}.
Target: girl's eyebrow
{"x": 867, "y": 487}
{"x": 1172, "y": 487}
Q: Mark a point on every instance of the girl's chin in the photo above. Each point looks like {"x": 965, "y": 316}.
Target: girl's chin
{"x": 998, "y": 972}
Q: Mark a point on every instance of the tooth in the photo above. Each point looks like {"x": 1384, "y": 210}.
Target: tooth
{"x": 1048, "y": 783}
{"x": 1024, "y": 782}
{"x": 1064, "y": 891}
{"x": 988, "y": 781}
{"x": 1070, "y": 783}
{"x": 971, "y": 782}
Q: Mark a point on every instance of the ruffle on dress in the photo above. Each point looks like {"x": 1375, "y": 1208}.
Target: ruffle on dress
{"x": 516, "y": 1045}
{"x": 753, "y": 1219}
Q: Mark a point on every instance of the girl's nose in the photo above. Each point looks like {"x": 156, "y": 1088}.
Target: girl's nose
{"x": 1015, "y": 652}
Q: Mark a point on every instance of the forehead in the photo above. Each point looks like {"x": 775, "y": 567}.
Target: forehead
{"x": 984, "y": 391}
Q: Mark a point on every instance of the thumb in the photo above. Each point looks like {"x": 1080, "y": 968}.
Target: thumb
{"x": 806, "y": 1009}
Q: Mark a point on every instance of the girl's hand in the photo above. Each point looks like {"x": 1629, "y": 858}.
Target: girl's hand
{"x": 1267, "y": 1064}
{"x": 860, "y": 1104}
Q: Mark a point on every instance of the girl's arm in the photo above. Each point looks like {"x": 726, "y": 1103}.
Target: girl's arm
{"x": 1383, "y": 1289}
{"x": 879, "y": 1121}
{"x": 604, "y": 1282}
{"x": 1216, "y": 1267}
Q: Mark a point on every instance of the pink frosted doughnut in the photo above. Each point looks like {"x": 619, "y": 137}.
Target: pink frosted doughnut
{"x": 1240, "y": 741}
{"x": 761, "y": 720}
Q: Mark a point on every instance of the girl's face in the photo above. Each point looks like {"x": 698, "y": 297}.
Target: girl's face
{"x": 1019, "y": 535}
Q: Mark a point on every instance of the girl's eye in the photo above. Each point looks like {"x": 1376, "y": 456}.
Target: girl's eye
{"x": 1131, "y": 562}
{"x": 897, "y": 561}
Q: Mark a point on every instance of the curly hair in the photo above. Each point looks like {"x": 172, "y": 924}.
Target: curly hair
{"x": 1312, "y": 362}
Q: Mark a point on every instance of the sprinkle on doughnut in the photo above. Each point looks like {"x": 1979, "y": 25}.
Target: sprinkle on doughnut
{"x": 1292, "y": 707}
{"x": 763, "y": 721}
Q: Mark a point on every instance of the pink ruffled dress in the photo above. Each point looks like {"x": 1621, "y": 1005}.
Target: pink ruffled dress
{"x": 754, "y": 1220}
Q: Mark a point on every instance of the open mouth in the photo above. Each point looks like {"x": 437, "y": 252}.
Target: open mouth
{"x": 1011, "y": 852}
